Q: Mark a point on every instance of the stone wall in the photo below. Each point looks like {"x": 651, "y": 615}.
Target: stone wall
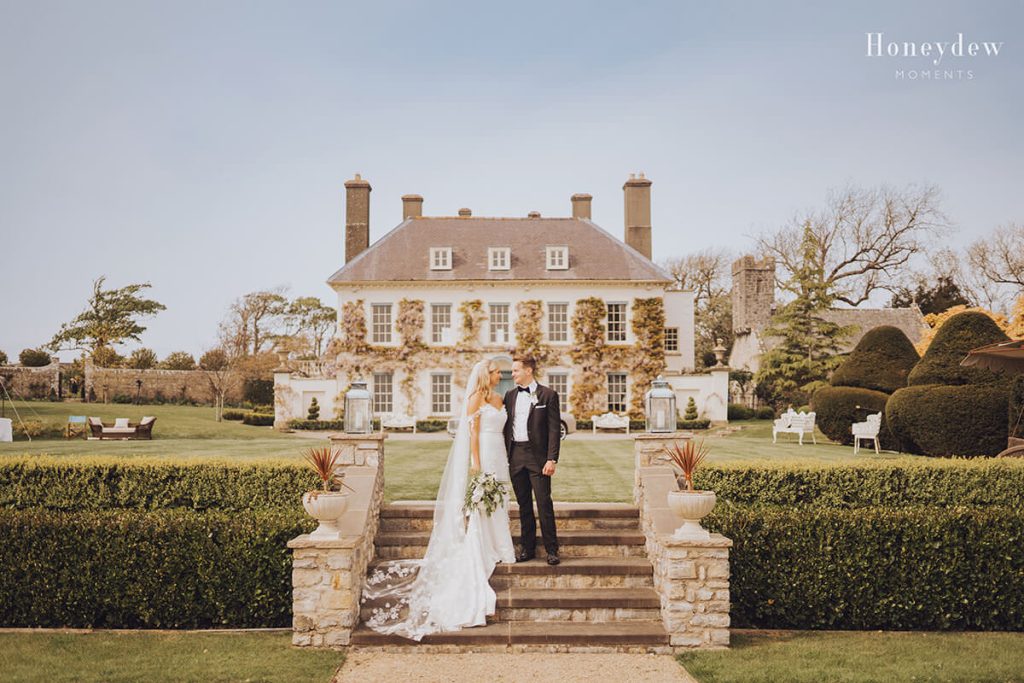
{"x": 22, "y": 382}
{"x": 692, "y": 577}
{"x": 168, "y": 385}
{"x": 327, "y": 574}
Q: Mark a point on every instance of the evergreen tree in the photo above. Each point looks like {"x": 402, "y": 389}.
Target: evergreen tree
{"x": 809, "y": 344}
{"x": 943, "y": 295}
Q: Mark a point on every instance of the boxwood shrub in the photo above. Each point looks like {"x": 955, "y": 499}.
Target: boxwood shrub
{"x": 881, "y": 361}
{"x": 949, "y": 420}
{"x": 927, "y": 568}
{"x": 234, "y": 415}
{"x": 837, "y": 408}
{"x": 155, "y": 569}
{"x": 961, "y": 333}
{"x": 737, "y": 411}
{"x": 258, "y": 419}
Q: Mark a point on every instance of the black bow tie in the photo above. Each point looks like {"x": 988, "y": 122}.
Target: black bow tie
{"x": 522, "y": 388}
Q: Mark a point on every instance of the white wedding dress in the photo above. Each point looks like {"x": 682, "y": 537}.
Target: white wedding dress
{"x": 449, "y": 588}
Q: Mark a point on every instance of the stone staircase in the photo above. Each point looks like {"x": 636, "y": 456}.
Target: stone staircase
{"x": 601, "y": 597}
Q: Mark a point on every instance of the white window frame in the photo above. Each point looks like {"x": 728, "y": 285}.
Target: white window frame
{"x": 383, "y": 402}
{"x": 565, "y": 329}
{"x": 385, "y": 335}
{"x": 563, "y": 393}
{"x": 440, "y": 258}
{"x": 435, "y": 407}
{"x": 625, "y": 392}
{"x": 499, "y": 258}
{"x": 624, "y": 332}
{"x": 557, "y": 257}
{"x": 493, "y": 326}
{"x": 437, "y": 328}
{"x": 675, "y": 347}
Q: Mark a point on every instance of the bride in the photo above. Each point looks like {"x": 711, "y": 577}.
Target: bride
{"x": 449, "y": 588}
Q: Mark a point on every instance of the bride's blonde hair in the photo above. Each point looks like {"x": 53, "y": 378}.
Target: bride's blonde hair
{"x": 483, "y": 381}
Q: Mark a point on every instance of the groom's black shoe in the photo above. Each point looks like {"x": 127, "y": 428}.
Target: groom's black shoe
{"x": 524, "y": 556}
{"x": 553, "y": 559}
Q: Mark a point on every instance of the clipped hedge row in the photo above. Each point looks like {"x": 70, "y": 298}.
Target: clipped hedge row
{"x": 99, "y": 484}
{"x": 941, "y": 483}
{"x": 875, "y": 568}
{"x": 941, "y": 420}
{"x": 130, "y": 569}
{"x": 258, "y": 420}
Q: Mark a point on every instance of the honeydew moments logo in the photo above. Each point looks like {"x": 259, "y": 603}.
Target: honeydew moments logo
{"x": 950, "y": 60}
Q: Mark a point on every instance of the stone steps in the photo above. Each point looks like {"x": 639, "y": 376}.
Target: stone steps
{"x": 622, "y": 636}
{"x": 392, "y": 545}
{"x": 576, "y": 572}
{"x": 418, "y": 516}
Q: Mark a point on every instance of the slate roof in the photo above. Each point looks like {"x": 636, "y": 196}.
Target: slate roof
{"x": 403, "y": 253}
{"x": 909, "y": 320}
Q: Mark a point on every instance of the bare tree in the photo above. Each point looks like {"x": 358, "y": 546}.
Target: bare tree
{"x": 217, "y": 365}
{"x": 997, "y": 263}
{"x": 253, "y": 322}
{"x": 707, "y": 274}
{"x": 862, "y": 238}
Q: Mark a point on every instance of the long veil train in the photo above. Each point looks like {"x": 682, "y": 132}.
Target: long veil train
{"x": 414, "y": 598}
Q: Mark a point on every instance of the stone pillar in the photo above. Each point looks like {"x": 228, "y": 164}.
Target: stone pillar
{"x": 649, "y": 450}
{"x": 359, "y": 449}
{"x": 327, "y": 574}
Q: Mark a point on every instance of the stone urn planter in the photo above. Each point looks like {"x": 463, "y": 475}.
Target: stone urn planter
{"x": 691, "y": 506}
{"x": 326, "y": 507}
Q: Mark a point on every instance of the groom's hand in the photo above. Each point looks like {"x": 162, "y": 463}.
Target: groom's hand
{"x": 549, "y": 468}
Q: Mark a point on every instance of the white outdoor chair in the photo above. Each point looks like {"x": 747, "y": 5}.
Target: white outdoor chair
{"x": 609, "y": 421}
{"x": 794, "y": 423}
{"x": 866, "y": 430}
{"x": 395, "y": 421}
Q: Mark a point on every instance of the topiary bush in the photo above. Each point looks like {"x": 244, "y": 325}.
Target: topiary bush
{"x": 691, "y": 410}
{"x": 963, "y": 420}
{"x": 837, "y": 408}
{"x": 737, "y": 411}
{"x": 258, "y": 420}
{"x": 961, "y": 333}
{"x": 234, "y": 415}
{"x": 34, "y": 358}
{"x": 881, "y": 361}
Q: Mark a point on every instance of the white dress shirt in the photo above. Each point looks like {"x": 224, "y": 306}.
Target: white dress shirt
{"x": 519, "y": 428}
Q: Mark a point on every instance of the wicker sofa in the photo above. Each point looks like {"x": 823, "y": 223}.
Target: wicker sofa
{"x": 121, "y": 429}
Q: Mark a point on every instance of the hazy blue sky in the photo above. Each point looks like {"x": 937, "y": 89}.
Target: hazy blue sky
{"x": 202, "y": 146}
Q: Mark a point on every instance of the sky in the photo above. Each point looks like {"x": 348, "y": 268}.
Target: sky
{"x": 203, "y": 147}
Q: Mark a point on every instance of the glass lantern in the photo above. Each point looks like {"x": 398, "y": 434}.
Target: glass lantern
{"x": 661, "y": 407}
{"x": 358, "y": 409}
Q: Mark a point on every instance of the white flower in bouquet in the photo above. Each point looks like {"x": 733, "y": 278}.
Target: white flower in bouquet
{"x": 484, "y": 492}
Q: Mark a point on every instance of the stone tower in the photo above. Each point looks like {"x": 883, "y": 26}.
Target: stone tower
{"x": 357, "y": 217}
{"x": 638, "y": 213}
{"x": 753, "y": 293}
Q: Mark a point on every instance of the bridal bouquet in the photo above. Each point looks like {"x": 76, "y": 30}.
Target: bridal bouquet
{"x": 484, "y": 492}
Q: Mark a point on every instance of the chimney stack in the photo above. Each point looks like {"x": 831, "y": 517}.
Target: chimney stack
{"x": 581, "y": 206}
{"x": 357, "y": 217}
{"x": 638, "y": 213}
{"x": 412, "y": 206}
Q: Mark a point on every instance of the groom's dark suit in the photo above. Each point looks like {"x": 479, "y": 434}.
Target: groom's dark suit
{"x": 526, "y": 461}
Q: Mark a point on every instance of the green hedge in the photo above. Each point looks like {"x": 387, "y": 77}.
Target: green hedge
{"x": 234, "y": 415}
{"x": 875, "y": 568}
{"x": 961, "y": 333}
{"x": 943, "y": 483}
{"x": 1016, "y": 423}
{"x": 881, "y": 361}
{"x": 258, "y": 420}
{"x": 130, "y": 569}
{"x": 949, "y": 420}
{"x": 737, "y": 411}
{"x": 98, "y": 484}
{"x": 837, "y": 408}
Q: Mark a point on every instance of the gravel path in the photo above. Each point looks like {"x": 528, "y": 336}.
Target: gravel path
{"x": 509, "y": 668}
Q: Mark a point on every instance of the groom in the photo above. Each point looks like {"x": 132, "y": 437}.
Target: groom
{"x": 533, "y": 434}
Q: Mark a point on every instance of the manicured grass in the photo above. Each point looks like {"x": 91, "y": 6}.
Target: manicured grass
{"x": 861, "y": 657}
{"x": 48, "y": 657}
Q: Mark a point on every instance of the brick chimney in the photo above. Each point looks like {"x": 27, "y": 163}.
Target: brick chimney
{"x": 412, "y": 206}
{"x": 638, "y": 213}
{"x": 357, "y": 217}
{"x": 581, "y": 206}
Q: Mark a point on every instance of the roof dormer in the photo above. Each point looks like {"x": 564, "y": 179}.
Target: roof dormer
{"x": 440, "y": 258}
{"x": 499, "y": 258}
{"x": 557, "y": 257}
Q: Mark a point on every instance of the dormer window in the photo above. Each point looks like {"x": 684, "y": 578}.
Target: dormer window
{"x": 558, "y": 258}
{"x": 499, "y": 258}
{"x": 440, "y": 258}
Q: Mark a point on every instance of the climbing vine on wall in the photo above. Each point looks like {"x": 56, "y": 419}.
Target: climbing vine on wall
{"x": 353, "y": 326}
{"x": 649, "y": 356}
{"x": 529, "y": 337}
{"x": 473, "y": 317}
{"x": 410, "y": 325}
{"x": 589, "y": 391}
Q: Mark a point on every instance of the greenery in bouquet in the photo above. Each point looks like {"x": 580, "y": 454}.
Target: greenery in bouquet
{"x": 484, "y": 492}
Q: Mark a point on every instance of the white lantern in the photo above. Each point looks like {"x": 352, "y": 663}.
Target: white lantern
{"x": 358, "y": 409}
{"x": 661, "y": 407}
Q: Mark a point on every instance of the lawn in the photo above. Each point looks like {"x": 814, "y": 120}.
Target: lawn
{"x": 861, "y": 657}
{"x": 48, "y": 657}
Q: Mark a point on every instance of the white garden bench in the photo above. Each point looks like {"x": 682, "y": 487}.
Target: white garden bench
{"x": 866, "y": 430}
{"x": 793, "y": 422}
{"x": 609, "y": 421}
{"x": 395, "y": 421}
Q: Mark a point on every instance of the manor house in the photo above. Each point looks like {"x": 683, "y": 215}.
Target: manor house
{"x": 423, "y": 303}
